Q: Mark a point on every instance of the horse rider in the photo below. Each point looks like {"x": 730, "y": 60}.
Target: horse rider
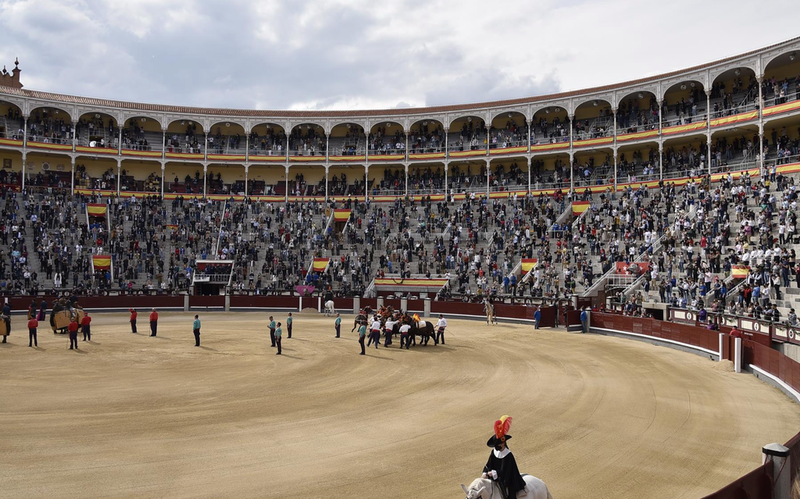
{"x": 501, "y": 466}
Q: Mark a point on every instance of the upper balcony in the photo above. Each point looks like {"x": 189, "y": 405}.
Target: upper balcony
{"x": 756, "y": 87}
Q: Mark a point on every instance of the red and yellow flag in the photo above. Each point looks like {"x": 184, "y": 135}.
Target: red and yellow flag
{"x": 740, "y": 271}
{"x": 341, "y": 215}
{"x": 101, "y": 262}
{"x": 320, "y": 264}
{"x": 579, "y": 207}
{"x": 528, "y": 264}
{"x": 97, "y": 210}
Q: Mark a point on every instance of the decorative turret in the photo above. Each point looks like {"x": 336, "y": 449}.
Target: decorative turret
{"x": 11, "y": 79}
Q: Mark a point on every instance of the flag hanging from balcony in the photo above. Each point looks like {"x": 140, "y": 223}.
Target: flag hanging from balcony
{"x": 579, "y": 207}
{"x": 341, "y": 215}
{"x": 740, "y": 271}
{"x": 528, "y": 264}
{"x": 101, "y": 262}
{"x": 320, "y": 264}
{"x": 97, "y": 210}
{"x": 172, "y": 227}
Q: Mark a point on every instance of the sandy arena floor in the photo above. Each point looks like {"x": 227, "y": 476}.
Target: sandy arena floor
{"x": 594, "y": 417}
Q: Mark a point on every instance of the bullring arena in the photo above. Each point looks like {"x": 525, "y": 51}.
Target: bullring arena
{"x": 659, "y": 214}
{"x": 595, "y": 416}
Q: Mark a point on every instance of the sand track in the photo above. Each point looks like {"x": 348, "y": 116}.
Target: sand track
{"x": 599, "y": 417}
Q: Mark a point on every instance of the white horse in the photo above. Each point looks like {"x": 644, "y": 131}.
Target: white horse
{"x": 483, "y": 488}
{"x": 329, "y": 308}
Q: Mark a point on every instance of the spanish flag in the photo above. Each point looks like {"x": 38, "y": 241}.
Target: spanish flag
{"x": 416, "y": 317}
{"x": 341, "y": 215}
{"x": 740, "y": 271}
{"x": 97, "y": 210}
{"x": 579, "y": 207}
{"x": 320, "y": 264}
{"x": 528, "y": 264}
{"x": 172, "y": 227}
{"x": 101, "y": 262}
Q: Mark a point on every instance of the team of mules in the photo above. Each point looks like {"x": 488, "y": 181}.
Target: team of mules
{"x": 424, "y": 329}
{"x": 63, "y": 313}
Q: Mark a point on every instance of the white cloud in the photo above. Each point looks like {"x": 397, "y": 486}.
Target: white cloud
{"x": 356, "y": 54}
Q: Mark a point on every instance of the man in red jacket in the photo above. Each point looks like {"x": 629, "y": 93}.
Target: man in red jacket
{"x": 73, "y": 334}
{"x": 153, "y": 322}
{"x": 33, "y": 324}
{"x": 133, "y": 319}
{"x": 86, "y": 327}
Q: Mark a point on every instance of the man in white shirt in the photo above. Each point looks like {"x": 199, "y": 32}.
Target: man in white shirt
{"x": 375, "y": 332}
{"x": 388, "y": 328}
{"x": 404, "y": 339}
{"x": 440, "y": 326}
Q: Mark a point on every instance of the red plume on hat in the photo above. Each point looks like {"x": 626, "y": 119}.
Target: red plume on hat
{"x": 501, "y": 427}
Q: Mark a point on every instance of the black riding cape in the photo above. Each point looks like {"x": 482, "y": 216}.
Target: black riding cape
{"x": 508, "y": 476}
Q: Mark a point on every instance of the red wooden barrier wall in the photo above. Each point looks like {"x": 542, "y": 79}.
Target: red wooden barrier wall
{"x": 245, "y": 301}
{"x": 207, "y": 301}
{"x": 755, "y": 485}
{"x": 683, "y": 333}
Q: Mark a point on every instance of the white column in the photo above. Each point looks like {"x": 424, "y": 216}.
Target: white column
{"x": 571, "y": 174}
{"x": 164, "y": 143}
{"x": 327, "y": 147}
{"x": 119, "y": 144}
{"x": 205, "y": 147}
{"x": 24, "y": 166}
{"x": 615, "y": 151}
{"x": 327, "y": 171}
{"x": 530, "y": 165}
{"x": 446, "y": 168}
{"x": 660, "y": 160}
{"x": 760, "y": 125}
{"x": 780, "y": 457}
{"x": 286, "y": 194}
{"x": 74, "y": 136}
{"x": 163, "y": 180}
{"x": 119, "y": 175}
{"x": 488, "y": 174}
{"x": 25, "y": 132}
{"x": 530, "y": 134}
{"x": 72, "y": 184}
{"x": 406, "y": 168}
{"x": 366, "y": 183}
{"x": 246, "y": 153}
{"x": 205, "y": 180}
{"x": 246, "y": 175}
{"x": 708, "y": 128}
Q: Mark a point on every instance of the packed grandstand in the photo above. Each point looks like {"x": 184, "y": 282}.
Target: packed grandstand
{"x": 679, "y": 188}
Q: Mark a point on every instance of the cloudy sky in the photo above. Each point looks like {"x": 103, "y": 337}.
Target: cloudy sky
{"x": 366, "y": 54}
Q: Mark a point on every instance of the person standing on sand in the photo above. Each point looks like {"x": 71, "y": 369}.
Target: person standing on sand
{"x": 73, "y": 334}
{"x": 338, "y": 325}
{"x": 289, "y": 326}
{"x": 362, "y": 332}
{"x": 271, "y": 330}
{"x": 153, "y": 322}
{"x": 133, "y": 319}
{"x": 196, "y": 330}
{"x": 86, "y": 327}
{"x": 278, "y": 334}
{"x": 33, "y": 324}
